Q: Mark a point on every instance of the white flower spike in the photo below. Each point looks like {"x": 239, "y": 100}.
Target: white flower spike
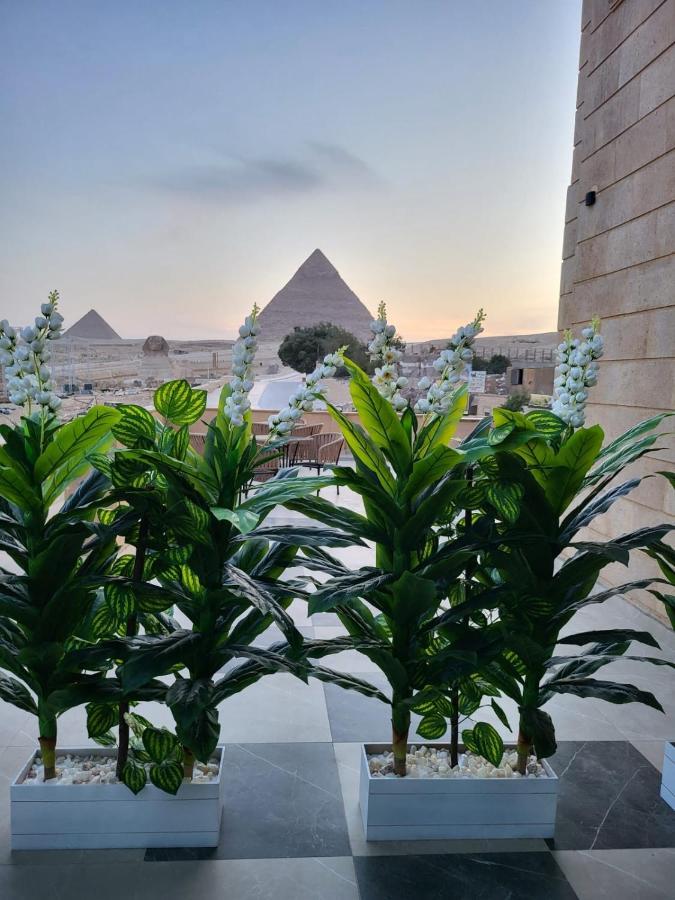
{"x": 243, "y": 356}
{"x": 387, "y": 378}
{"x": 24, "y": 357}
{"x": 577, "y": 370}
{"x": 451, "y": 366}
{"x": 303, "y": 400}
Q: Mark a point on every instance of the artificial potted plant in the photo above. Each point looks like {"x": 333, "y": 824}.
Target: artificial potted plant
{"x": 422, "y": 613}
{"x": 59, "y": 556}
{"x": 209, "y": 558}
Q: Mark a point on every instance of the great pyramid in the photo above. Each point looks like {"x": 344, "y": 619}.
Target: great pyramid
{"x": 92, "y": 327}
{"x": 316, "y": 293}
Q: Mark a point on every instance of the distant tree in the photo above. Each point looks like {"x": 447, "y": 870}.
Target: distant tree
{"x": 498, "y": 364}
{"x": 479, "y": 364}
{"x": 304, "y": 347}
{"x": 516, "y": 401}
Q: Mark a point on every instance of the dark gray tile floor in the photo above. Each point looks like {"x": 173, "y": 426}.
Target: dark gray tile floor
{"x": 609, "y": 799}
{"x": 282, "y": 800}
{"x": 480, "y": 876}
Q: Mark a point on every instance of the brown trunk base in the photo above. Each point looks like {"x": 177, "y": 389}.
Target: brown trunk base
{"x": 188, "y": 763}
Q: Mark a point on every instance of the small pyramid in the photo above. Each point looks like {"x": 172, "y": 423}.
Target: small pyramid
{"x": 92, "y": 327}
{"x": 316, "y": 293}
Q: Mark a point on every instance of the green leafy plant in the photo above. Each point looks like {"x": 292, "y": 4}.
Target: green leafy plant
{"x": 214, "y": 561}
{"x": 304, "y": 348}
{"x": 516, "y": 401}
{"x": 59, "y": 556}
{"x": 563, "y": 477}
{"x": 428, "y": 631}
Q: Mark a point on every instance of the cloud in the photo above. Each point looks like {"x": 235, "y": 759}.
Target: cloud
{"x": 318, "y": 166}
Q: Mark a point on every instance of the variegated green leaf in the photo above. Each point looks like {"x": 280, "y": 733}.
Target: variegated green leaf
{"x": 179, "y": 403}
{"x": 159, "y": 743}
{"x": 489, "y": 743}
{"x": 100, "y": 718}
{"x": 136, "y": 426}
{"x": 134, "y": 776}
{"x": 167, "y": 776}
{"x": 432, "y": 727}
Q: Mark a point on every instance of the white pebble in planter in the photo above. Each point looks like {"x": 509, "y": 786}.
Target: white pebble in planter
{"x": 440, "y": 806}
{"x": 82, "y": 815}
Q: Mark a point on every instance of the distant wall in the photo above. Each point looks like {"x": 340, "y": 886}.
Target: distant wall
{"x": 619, "y": 254}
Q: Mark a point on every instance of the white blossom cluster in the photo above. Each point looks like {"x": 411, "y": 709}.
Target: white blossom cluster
{"x": 24, "y": 356}
{"x": 451, "y": 365}
{"x": 303, "y": 400}
{"x": 577, "y": 370}
{"x": 243, "y": 356}
{"x": 387, "y": 378}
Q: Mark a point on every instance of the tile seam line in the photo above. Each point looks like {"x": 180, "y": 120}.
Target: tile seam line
{"x": 633, "y": 172}
{"x": 628, "y": 36}
{"x": 626, "y": 222}
{"x": 621, "y": 133}
{"x": 622, "y": 269}
{"x": 626, "y": 83}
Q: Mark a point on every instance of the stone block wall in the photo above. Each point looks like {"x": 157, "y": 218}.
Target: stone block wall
{"x": 619, "y": 254}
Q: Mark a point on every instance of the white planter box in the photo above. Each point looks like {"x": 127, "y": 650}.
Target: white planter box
{"x": 407, "y": 809}
{"x": 668, "y": 777}
{"x": 51, "y": 816}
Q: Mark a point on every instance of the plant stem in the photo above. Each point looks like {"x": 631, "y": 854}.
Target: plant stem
{"x": 48, "y": 750}
{"x": 454, "y": 727}
{"x": 188, "y": 763}
{"x": 524, "y": 748}
{"x": 400, "y": 725}
{"x": 47, "y": 725}
{"x": 130, "y": 631}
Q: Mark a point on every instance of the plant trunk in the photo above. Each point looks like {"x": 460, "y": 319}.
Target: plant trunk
{"x": 130, "y": 631}
{"x": 454, "y": 728}
{"x": 48, "y": 750}
{"x": 47, "y": 739}
{"x": 400, "y": 724}
{"x": 188, "y": 763}
{"x": 524, "y": 749}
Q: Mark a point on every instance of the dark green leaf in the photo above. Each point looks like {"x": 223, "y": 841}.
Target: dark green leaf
{"x": 167, "y": 776}
{"x": 12, "y": 691}
{"x": 499, "y": 712}
{"x": 432, "y": 727}
{"x": 539, "y": 726}
{"x": 159, "y": 743}
{"x": 489, "y": 743}
{"x": 100, "y": 718}
{"x": 134, "y": 776}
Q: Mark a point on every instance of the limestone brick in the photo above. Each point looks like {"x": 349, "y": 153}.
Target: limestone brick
{"x": 629, "y": 383}
{"x": 631, "y": 243}
{"x": 633, "y": 196}
{"x": 618, "y": 26}
{"x": 646, "y": 286}
{"x": 656, "y": 82}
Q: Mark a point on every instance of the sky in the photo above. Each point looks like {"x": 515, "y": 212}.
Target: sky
{"x": 171, "y": 163}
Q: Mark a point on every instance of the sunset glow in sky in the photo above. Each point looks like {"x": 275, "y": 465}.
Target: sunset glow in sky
{"x": 169, "y": 163}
